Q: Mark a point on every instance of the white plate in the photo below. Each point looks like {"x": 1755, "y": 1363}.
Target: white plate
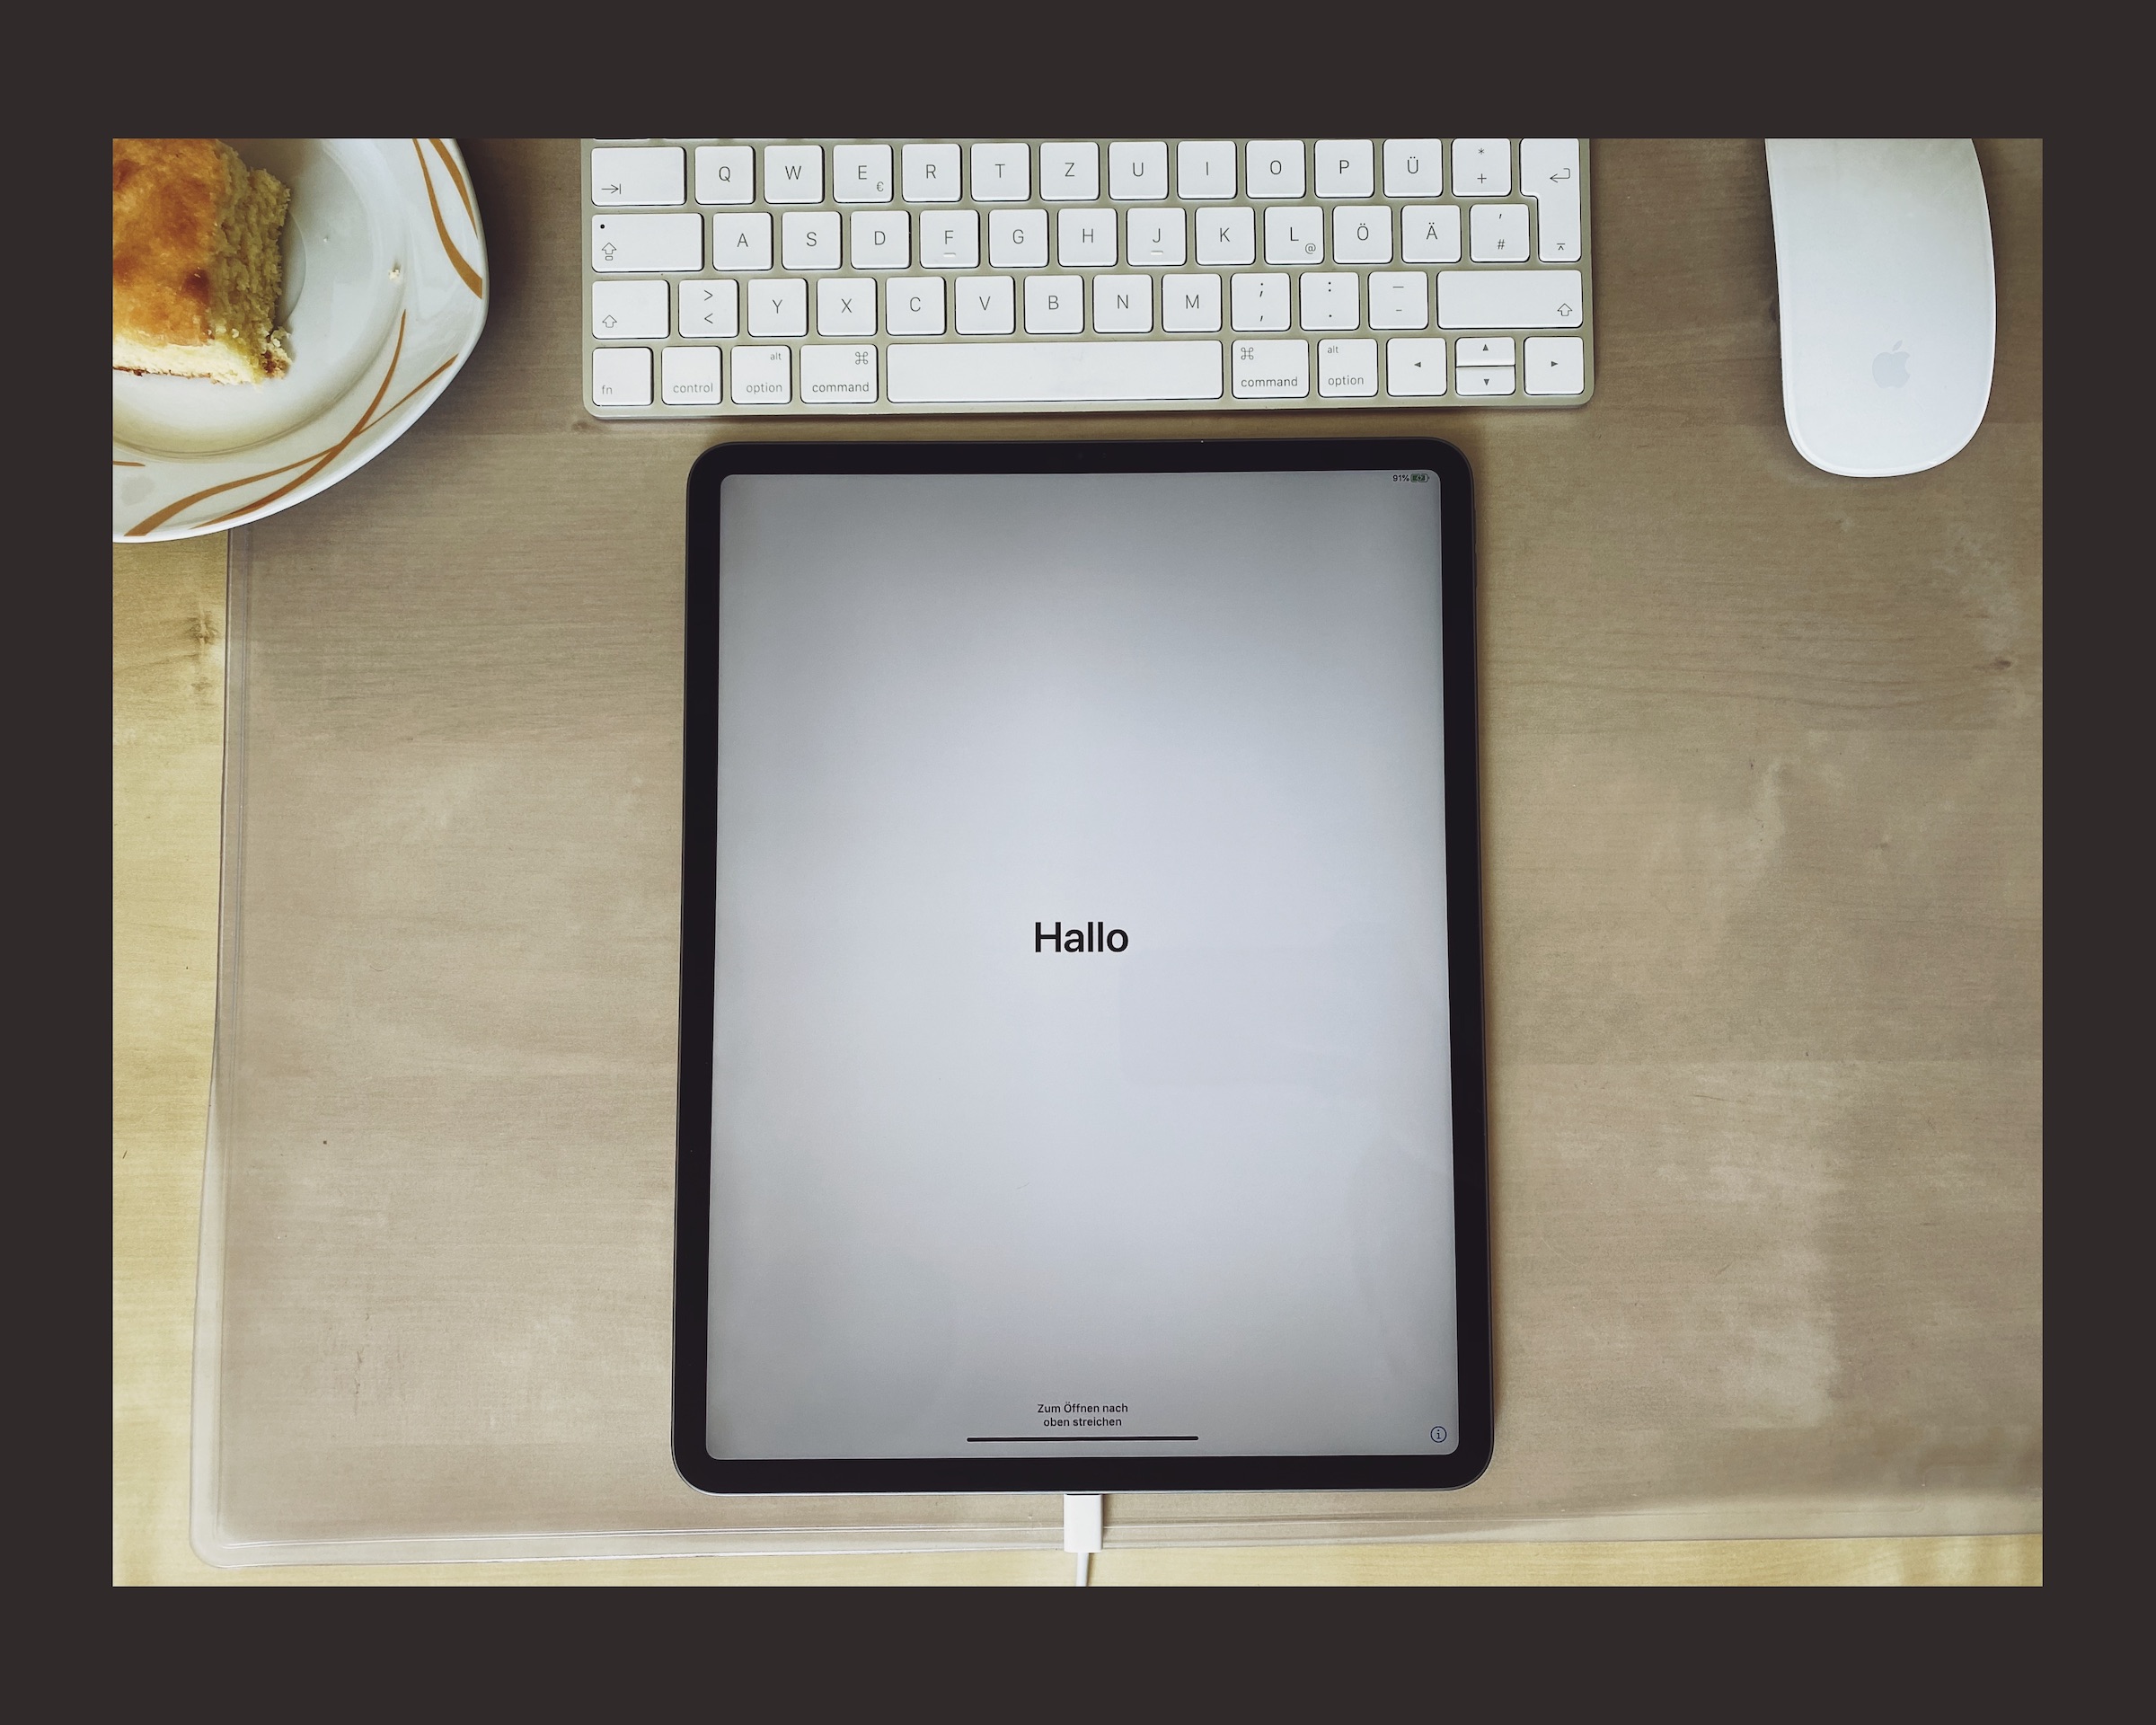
{"x": 385, "y": 293}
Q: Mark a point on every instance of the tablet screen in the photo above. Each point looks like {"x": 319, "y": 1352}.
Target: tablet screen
{"x": 1080, "y": 978}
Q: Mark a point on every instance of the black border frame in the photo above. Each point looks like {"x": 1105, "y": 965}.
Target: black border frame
{"x": 699, "y": 917}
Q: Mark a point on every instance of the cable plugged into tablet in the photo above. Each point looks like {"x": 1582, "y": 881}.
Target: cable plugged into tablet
{"x": 1082, "y": 1529}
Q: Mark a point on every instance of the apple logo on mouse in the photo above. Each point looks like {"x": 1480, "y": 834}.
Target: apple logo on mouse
{"x": 1890, "y": 370}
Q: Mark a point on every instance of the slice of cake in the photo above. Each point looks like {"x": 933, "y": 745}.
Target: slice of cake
{"x": 196, "y": 264}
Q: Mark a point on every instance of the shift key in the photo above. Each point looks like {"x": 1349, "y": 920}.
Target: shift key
{"x": 1508, "y": 299}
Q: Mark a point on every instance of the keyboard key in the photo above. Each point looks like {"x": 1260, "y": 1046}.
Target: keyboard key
{"x": 1414, "y": 167}
{"x": 1484, "y": 351}
{"x": 793, "y": 173}
{"x": 881, "y": 239}
{"x": 914, "y": 306}
{"x": 1331, "y": 299}
{"x": 839, "y": 373}
{"x": 1294, "y": 233}
{"x": 928, "y": 173}
{"x": 1267, "y": 370}
{"x": 1274, "y": 169}
{"x": 1205, "y": 170}
{"x": 1400, "y": 299}
{"x": 1001, "y": 174}
{"x": 1227, "y": 236}
{"x": 708, "y": 309}
{"x": 1556, "y": 365}
{"x": 1054, "y": 305}
{"x": 1345, "y": 168}
{"x": 777, "y": 306}
{"x": 861, "y": 173}
{"x": 951, "y": 239}
{"x": 1347, "y": 367}
{"x": 1070, "y": 173}
{"x": 762, "y": 377}
{"x": 1189, "y": 302}
{"x": 1257, "y": 302}
{"x": 1497, "y": 233}
{"x": 725, "y": 173}
{"x": 1123, "y": 304}
{"x": 1155, "y": 237}
{"x": 1085, "y": 236}
{"x": 1018, "y": 239}
{"x": 620, "y": 309}
{"x": 809, "y": 239}
{"x": 1483, "y": 380}
{"x": 990, "y": 372}
{"x": 1362, "y": 233}
{"x": 1508, "y": 299}
{"x": 1482, "y": 167}
{"x": 741, "y": 243}
{"x": 1550, "y": 174}
{"x": 689, "y": 376}
{"x": 985, "y": 305}
{"x": 645, "y": 176}
{"x": 648, "y": 244}
{"x": 1431, "y": 234}
{"x": 621, "y": 377}
{"x": 845, "y": 305}
{"x": 1415, "y": 365}
{"x": 1137, "y": 172}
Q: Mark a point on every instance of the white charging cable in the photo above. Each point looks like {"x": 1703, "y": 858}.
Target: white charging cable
{"x": 1082, "y": 1529}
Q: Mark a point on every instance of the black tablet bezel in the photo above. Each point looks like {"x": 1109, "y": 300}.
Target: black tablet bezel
{"x": 699, "y": 916}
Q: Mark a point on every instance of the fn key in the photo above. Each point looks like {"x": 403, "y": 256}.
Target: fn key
{"x": 621, "y": 377}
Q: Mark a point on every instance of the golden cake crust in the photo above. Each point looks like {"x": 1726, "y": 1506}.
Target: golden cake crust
{"x": 166, "y": 193}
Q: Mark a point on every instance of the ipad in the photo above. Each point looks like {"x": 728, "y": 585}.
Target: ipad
{"x": 1082, "y": 1039}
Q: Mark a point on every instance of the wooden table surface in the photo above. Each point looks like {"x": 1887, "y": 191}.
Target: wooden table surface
{"x": 1764, "y": 825}
{"x": 168, "y": 708}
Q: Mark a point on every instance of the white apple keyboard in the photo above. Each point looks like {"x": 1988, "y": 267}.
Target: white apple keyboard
{"x": 733, "y": 277}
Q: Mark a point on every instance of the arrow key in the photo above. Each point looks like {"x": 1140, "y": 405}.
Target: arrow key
{"x": 1415, "y": 365}
{"x": 1556, "y": 365}
{"x": 1484, "y": 351}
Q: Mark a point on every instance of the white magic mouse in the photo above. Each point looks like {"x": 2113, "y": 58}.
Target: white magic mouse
{"x": 1889, "y": 310}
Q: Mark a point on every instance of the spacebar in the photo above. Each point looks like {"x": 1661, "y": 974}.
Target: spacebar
{"x": 1053, "y": 371}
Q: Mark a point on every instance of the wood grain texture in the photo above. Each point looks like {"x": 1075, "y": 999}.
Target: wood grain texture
{"x": 168, "y": 711}
{"x": 1762, "y": 803}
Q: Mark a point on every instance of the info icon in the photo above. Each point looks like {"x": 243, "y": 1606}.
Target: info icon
{"x": 1438, "y": 1434}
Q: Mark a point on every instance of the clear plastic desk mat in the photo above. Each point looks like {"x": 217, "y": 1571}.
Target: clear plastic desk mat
{"x": 1765, "y": 1143}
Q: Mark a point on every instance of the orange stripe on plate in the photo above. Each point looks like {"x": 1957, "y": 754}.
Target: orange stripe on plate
{"x": 456, "y": 177}
{"x": 456, "y": 258}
